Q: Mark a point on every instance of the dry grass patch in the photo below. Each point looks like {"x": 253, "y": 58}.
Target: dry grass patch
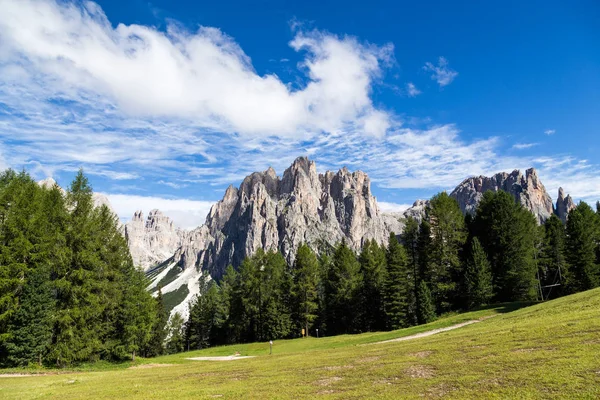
{"x": 338, "y": 367}
{"x": 421, "y": 354}
{"x": 148, "y": 366}
{"x": 368, "y": 360}
{"x": 328, "y": 381}
{"x": 420, "y": 371}
{"x": 441, "y": 390}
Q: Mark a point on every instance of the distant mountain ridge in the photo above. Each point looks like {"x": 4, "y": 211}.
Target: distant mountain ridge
{"x": 279, "y": 213}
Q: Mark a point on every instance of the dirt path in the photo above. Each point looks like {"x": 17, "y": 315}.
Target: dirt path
{"x": 435, "y": 331}
{"x": 222, "y": 358}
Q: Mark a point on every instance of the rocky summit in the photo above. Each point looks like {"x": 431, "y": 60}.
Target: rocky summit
{"x": 151, "y": 240}
{"x": 280, "y": 213}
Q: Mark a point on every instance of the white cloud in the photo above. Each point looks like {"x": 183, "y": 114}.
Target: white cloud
{"x": 392, "y": 207}
{"x": 202, "y": 76}
{"x": 523, "y": 146}
{"x": 412, "y": 90}
{"x": 441, "y": 73}
{"x": 550, "y": 131}
{"x": 173, "y": 184}
{"x": 186, "y": 214}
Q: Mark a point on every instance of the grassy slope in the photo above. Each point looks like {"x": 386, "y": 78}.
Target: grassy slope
{"x": 550, "y": 350}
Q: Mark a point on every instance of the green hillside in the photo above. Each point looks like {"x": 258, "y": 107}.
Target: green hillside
{"x": 549, "y": 350}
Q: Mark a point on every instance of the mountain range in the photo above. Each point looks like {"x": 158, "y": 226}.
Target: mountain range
{"x": 270, "y": 212}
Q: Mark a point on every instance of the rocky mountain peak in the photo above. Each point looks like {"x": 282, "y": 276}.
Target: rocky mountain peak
{"x": 151, "y": 240}
{"x": 270, "y": 212}
{"x": 563, "y": 205}
{"x": 526, "y": 189}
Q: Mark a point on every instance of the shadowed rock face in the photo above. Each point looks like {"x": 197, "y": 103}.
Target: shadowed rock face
{"x": 268, "y": 212}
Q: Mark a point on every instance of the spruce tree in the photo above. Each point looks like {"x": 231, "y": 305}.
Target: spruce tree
{"x": 507, "y": 232}
{"x": 426, "y": 309}
{"x": 397, "y": 285}
{"x": 580, "y": 249}
{"x": 176, "y": 342}
{"x": 341, "y": 291}
{"x": 478, "y": 276}
{"x": 448, "y": 237}
{"x": 32, "y": 324}
{"x": 552, "y": 263}
{"x": 371, "y": 292}
{"x": 410, "y": 238}
{"x": 424, "y": 243}
{"x": 306, "y": 281}
{"x": 156, "y": 343}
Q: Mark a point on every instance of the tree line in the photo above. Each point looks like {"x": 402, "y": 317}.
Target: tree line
{"x": 445, "y": 262}
{"x": 69, "y": 292}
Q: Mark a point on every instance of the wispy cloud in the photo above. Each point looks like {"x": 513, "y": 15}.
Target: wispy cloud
{"x": 550, "y": 131}
{"x": 523, "y": 146}
{"x": 441, "y": 73}
{"x": 412, "y": 90}
{"x": 173, "y": 185}
{"x": 392, "y": 207}
{"x": 186, "y": 214}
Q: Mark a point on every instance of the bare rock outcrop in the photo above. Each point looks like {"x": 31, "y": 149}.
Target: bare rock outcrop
{"x": 527, "y": 190}
{"x": 563, "y": 205}
{"x": 272, "y": 213}
{"x": 151, "y": 240}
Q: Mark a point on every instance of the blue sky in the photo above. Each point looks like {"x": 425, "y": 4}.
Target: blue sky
{"x": 164, "y": 104}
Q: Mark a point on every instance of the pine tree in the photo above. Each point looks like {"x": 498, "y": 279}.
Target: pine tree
{"x": 341, "y": 289}
{"x": 478, "y": 276}
{"x": 552, "y": 258}
{"x": 507, "y": 232}
{"x": 306, "y": 281}
{"x": 426, "y": 309}
{"x": 156, "y": 343}
{"x": 31, "y": 325}
{"x": 581, "y": 244}
{"x": 397, "y": 285}
{"x": 371, "y": 291}
{"x": 410, "y": 237}
{"x": 176, "y": 343}
{"x": 448, "y": 237}
{"x": 424, "y": 244}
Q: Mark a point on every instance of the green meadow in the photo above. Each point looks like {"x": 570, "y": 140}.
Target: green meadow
{"x": 542, "y": 351}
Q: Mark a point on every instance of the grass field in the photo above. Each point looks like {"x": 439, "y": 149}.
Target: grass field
{"x": 549, "y": 350}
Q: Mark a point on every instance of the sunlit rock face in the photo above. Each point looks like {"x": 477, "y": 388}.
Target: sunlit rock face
{"x": 153, "y": 239}
{"x": 526, "y": 189}
{"x": 280, "y": 213}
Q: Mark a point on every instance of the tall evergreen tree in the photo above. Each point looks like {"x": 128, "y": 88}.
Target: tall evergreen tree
{"x": 397, "y": 285}
{"x": 156, "y": 343}
{"x": 552, "y": 263}
{"x": 341, "y": 289}
{"x": 426, "y": 309}
{"x": 448, "y": 238}
{"x": 410, "y": 238}
{"x": 581, "y": 244}
{"x": 31, "y": 326}
{"x": 371, "y": 291}
{"x": 478, "y": 276}
{"x": 176, "y": 342}
{"x": 306, "y": 280}
{"x": 424, "y": 244}
{"x": 507, "y": 232}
